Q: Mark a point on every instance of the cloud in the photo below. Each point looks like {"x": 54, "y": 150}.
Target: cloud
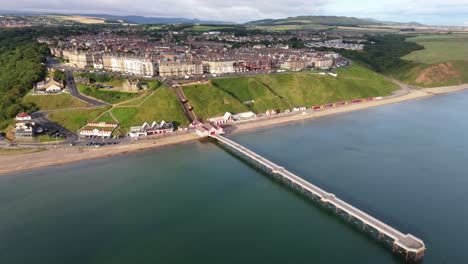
{"x": 436, "y": 11}
{"x": 230, "y": 10}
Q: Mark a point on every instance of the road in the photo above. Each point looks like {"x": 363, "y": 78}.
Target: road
{"x": 73, "y": 90}
{"x": 40, "y": 117}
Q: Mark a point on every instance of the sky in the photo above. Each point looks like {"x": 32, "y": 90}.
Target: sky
{"x": 430, "y": 12}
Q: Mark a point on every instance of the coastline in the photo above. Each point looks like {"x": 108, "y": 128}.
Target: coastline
{"x": 410, "y": 96}
{"x": 60, "y": 156}
{"x": 27, "y": 161}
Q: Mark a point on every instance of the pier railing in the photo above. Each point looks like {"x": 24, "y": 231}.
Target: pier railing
{"x": 411, "y": 247}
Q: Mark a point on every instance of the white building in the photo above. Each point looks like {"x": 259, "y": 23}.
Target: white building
{"x": 24, "y": 129}
{"x": 96, "y": 132}
{"x": 244, "y": 116}
{"x": 206, "y": 130}
{"x": 220, "y": 120}
{"x": 98, "y": 129}
{"x": 218, "y": 66}
{"x": 153, "y": 129}
{"x": 23, "y": 117}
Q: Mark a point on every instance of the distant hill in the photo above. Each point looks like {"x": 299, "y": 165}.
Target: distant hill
{"x": 318, "y": 20}
{"x": 327, "y": 21}
{"x": 159, "y": 20}
{"x": 392, "y": 23}
{"x": 125, "y": 19}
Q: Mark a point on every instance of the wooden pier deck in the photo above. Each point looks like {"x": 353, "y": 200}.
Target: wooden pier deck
{"x": 410, "y": 246}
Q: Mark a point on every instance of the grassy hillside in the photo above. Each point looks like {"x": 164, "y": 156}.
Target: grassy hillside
{"x": 434, "y": 75}
{"x": 282, "y": 91}
{"x": 75, "y": 119}
{"x": 52, "y": 102}
{"x": 210, "y": 101}
{"x": 105, "y": 117}
{"x": 160, "y": 105}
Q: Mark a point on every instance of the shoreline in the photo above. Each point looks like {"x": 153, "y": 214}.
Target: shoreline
{"x": 60, "y": 156}
{"x": 412, "y": 95}
{"x": 28, "y": 161}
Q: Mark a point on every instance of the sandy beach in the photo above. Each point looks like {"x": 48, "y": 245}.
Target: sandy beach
{"x": 16, "y": 162}
{"x": 20, "y": 161}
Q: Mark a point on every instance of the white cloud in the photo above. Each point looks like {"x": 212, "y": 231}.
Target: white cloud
{"x": 230, "y": 10}
{"x": 446, "y": 11}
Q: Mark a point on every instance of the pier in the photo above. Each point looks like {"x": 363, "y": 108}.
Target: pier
{"x": 407, "y": 245}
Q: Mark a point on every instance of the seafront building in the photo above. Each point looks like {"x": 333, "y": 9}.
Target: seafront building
{"x": 179, "y": 69}
{"x": 153, "y": 129}
{"x": 141, "y": 57}
{"x": 24, "y": 128}
{"x": 219, "y": 66}
{"x": 98, "y": 129}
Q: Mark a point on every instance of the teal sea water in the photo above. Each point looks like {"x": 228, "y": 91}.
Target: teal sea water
{"x": 406, "y": 164}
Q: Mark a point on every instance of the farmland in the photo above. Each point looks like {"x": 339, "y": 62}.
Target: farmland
{"x": 205, "y": 28}
{"x": 78, "y": 19}
{"x": 439, "y": 48}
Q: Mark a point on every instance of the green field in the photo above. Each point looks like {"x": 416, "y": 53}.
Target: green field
{"x": 161, "y": 105}
{"x": 75, "y": 119}
{"x": 439, "y": 48}
{"x": 48, "y": 139}
{"x": 443, "y": 61}
{"x": 111, "y": 97}
{"x": 283, "y": 91}
{"x": 105, "y": 117}
{"x": 136, "y": 101}
{"x": 52, "y": 102}
{"x": 205, "y": 28}
{"x": 115, "y": 82}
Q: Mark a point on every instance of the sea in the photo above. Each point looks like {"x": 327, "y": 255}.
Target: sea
{"x": 405, "y": 164}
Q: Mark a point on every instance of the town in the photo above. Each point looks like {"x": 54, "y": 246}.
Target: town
{"x": 174, "y": 132}
{"x": 136, "y": 60}
{"x": 139, "y": 56}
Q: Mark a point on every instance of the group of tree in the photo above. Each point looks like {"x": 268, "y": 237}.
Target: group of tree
{"x": 93, "y": 77}
{"x": 59, "y": 76}
{"x": 383, "y": 53}
{"x": 21, "y": 66}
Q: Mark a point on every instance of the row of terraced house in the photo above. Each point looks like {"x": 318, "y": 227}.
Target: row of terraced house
{"x": 186, "y": 65}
